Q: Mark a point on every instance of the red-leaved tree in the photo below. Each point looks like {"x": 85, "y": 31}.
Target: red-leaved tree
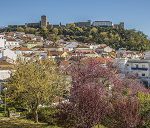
{"x": 100, "y": 96}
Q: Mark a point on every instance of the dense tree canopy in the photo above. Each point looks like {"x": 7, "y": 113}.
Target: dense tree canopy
{"x": 100, "y": 96}
{"x": 36, "y": 83}
{"x": 115, "y": 38}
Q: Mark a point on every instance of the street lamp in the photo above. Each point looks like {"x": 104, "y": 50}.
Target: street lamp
{"x": 5, "y": 90}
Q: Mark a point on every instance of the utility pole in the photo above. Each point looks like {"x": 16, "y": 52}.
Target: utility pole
{"x": 5, "y": 102}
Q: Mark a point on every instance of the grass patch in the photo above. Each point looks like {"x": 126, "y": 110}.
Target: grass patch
{"x": 99, "y": 126}
{"x": 21, "y": 123}
{"x": 2, "y": 114}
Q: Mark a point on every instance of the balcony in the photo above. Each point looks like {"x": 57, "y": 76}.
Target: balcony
{"x": 137, "y": 68}
{"x": 144, "y": 77}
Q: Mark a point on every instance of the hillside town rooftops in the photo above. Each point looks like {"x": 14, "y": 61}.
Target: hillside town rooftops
{"x": 82, "y": 46}
{"x": 21, "y": 49}
{"x": 4, "y": 62}
{"x": 54, "y": 53}
{"x": 29, "y": 55}
{"x": 52, "y": 46}
{"x": 10, "y": 39}
{"x": 100, "y": 60}
{"x": 4, "y": 65}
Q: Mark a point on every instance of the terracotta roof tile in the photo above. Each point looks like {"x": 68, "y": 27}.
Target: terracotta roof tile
{"x": 21, "y": 49}
{"x": 10, "y": 39}
{"x": 100, "y": 60}
{"x": 3, "y": 62}
{"x": 54, "y": 53}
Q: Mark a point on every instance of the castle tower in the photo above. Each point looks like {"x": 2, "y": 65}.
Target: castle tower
{"x": 43, "y": 21}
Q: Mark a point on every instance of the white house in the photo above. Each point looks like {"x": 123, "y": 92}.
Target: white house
{"x": 1, "y": 53}
{"x": 10, "y": 54}
{"x": 121, "y": 64}
{"x": 139, "y": 67}
{"x": 4, "y": 74}
{"x": 123, "y": 53}
{"x": 94, "y": 46}
{"x": 5, "y": 71}
{"x": 70, "y": 46}
{"x": 11, "y": 43}
{"x": 108, "y": 49}
{"x": 103, "y": 48}
{"x": 147, "y": 55}
{"x": 2, "y": 41}
{"x": 22, "y": 50}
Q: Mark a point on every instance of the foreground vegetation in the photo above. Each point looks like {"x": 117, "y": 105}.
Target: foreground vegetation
{"x": 97, "y": 97}
{"x": 36, "y": 83}
{"x": 21, "y": 123}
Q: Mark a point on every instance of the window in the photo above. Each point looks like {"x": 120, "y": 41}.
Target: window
{"x": 136, "y": 66}
{"x": 143, "y": 74}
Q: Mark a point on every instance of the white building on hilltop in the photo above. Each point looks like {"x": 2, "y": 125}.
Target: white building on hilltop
{"x": 102, "y": 24}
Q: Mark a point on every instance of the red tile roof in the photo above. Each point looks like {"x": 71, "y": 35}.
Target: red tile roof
{"x": 100, "y": 60}
{"x": 10, "y": 39}
{"x": 4, "y": 62}
{"x": 54, "y": 53}
{"x": 21, "y": 49}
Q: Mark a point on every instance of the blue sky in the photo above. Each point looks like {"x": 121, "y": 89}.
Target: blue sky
{"x": 135, "y": 13}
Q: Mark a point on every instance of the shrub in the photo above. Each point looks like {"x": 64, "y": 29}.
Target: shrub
{"x": 11, "y": 110}
{"x": 99, "y": 126}
{"x": 145, "y": 109}
{"x": 1, "y": 108}
{"x": 46, "y": 115}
